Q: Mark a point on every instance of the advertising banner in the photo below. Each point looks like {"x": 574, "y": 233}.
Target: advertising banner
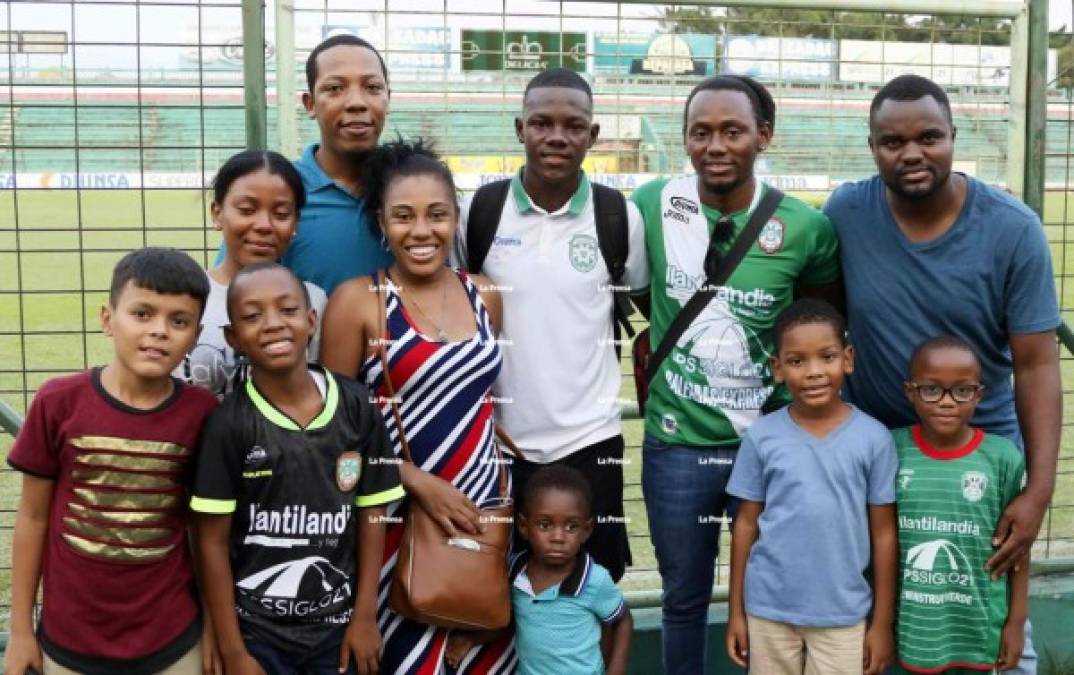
{"x": 654, "y": 53}
{"x": 522, "y": 50}
{"x": 779, "y": 58}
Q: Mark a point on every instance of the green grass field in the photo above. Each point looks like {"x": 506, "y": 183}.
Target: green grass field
{"x": 53, "y": 273}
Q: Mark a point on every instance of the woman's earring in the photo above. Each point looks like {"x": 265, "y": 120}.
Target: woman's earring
{"x": 384, "y": 242}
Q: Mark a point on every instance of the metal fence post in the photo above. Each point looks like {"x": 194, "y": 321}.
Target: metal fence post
{"x": 253, "y": 70}
{"x": 1036, "y": 106}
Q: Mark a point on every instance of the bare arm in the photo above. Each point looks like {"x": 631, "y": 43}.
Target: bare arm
{"x": 879, "y": 641}
{"x": 744, "y": 535}
{"x": 1038, "y": 399}
{"x": 344, "y": 336}
{"x": 1012, "y": 639}
{"x": 28, "y": 547}
{"x": 619, "y": 644}
{"x": 214, "y": 533}
{"x": 362, "y": 639}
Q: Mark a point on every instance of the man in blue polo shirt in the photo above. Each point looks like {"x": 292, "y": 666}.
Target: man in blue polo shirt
{"x": 348, "y": 96}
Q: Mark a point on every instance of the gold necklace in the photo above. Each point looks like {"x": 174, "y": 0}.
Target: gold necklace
{"x": 441, "y": 334}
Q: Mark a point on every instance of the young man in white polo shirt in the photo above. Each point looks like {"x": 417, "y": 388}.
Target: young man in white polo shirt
{"x": 558, "y": 392}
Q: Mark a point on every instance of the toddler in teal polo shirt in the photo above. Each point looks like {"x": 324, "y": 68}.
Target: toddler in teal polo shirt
{"x": 562, "y": 598}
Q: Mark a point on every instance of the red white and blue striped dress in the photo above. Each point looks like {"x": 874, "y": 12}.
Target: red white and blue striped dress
{"x": 444, "y": 394}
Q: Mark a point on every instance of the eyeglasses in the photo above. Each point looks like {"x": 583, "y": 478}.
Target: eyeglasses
{"x": 721, "y": 234}
{"x": 934, "y": 393}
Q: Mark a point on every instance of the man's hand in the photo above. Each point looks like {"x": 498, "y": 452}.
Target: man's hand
{"x": 22, "y": 654}
{"x": 1011, "y": 643}
{"x": 362, "y": 642}
{"x": 1015, "y": 533}
{"x": 459, "y": 644}
{"x": 879, "y": 648}
{"x": 738, "y": 640}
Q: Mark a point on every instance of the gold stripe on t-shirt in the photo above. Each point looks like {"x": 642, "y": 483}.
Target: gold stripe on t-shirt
{"x": 129, "y": 445}
{"x": 125, "y": 517}
{"x": 119, "y": 553}
{"x": 120, "y": 534}
{"x": 127, "y": 500}
{"x": 123, "y": 479}
{"x": 130, "y": 462}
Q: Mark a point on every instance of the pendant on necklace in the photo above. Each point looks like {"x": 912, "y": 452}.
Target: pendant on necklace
{"x": 441, "y": 335}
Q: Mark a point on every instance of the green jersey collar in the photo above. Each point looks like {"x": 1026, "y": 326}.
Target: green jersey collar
{"x": 525, "y": 204}
{"x": 277, "y": 417}
{"x": 759, "y": 188}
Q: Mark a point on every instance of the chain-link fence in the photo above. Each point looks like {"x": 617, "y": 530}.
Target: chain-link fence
{"x": 113, "y": 114}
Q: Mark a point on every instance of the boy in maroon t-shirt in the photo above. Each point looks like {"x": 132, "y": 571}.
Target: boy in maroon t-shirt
{"x": 106, "y": 457}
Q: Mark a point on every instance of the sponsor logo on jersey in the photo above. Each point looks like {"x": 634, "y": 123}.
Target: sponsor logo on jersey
{"x": 684, "y": 205}
{"x": 937, "y": 563}
{"x": 297, "y": 588}
{"x": 669, "y": 424}
{"x": 974, "y": 484}
{"x": 934, "y": 524}
{"x": 755, "y": 298}
{"x": 298, "y": 520}
{"x": 770, "y": 240}
{"x": 255, "y": 454}
{"x": 348, "y": 469}
{"x": 582, "y": 249}
{"x": 506, "y": 241}
{"x": 905, "y": 476}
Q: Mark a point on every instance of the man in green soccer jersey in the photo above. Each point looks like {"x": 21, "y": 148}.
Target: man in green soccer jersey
{"x": 716, "y": 378}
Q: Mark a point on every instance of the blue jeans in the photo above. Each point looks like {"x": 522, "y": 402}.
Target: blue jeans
{"x": 685, "y": 494}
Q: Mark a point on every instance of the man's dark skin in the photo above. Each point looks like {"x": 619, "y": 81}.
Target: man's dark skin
{"x": 913, "y": 145}
{"x": 723, "y": 137}
{"x": 557, "y": 129}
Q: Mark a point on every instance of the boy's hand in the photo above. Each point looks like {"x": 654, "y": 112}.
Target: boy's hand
{"x": 22, "y": 654}
{"x": 879, "y": 648}
{"x": 458, "y": 645}
{"x": 211, "y": 661}
{"x": 362, "y": 640}
{"x": 738, "y": 640}
{"x": 243, "y": 664}
{"x": 1011, "y": 643}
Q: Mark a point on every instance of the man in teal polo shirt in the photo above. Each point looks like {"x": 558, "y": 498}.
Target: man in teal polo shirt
{"x": 348, "y": 96}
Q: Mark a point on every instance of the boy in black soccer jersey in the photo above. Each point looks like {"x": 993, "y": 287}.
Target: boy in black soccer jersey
{"x": 289, "y": 494}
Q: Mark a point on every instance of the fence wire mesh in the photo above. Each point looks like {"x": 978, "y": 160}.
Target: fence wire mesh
{"x": 114, "y": 114}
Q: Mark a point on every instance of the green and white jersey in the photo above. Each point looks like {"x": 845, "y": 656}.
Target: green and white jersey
{"x": 950, "y": 612}
{"x": 710, "y": 388}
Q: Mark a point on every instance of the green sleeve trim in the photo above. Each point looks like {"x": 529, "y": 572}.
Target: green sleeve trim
{"x": 215, "y": 506}
{"x": 394, "y": 494}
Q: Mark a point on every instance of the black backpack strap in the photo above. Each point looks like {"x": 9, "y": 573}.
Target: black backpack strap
{"x": 483, "y": 220}
{"x": 613, "y": 238}
{"x": 706, "y": 293}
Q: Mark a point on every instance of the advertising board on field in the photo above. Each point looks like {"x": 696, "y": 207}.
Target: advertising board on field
{"x": 801, "y": 59}
{"x": 493, "y": 50}
{"x": 654, "y": 53}
{"x": 951, "y": 65}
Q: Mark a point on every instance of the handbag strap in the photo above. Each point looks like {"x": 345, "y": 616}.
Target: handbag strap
{"x": 706, "y": 293}
{"x": 386, "y": 375}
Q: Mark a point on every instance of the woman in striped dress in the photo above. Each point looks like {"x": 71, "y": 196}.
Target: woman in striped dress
{"x": 438, "y": 327}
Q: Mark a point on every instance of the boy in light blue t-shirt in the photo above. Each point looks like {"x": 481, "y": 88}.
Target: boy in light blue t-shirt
{"x": 817, "y": 482}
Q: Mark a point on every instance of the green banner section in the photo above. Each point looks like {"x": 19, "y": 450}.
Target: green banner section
{"x": 522, "y": 50}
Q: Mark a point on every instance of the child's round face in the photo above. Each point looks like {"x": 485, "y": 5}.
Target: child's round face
{"x": 949, "y": 373}
{"x": 556, "y": 523}
{"x": 271, "y": 323}
{"x": 152, "y": 331}
{"x": 257, "y": 218}
{"x": 419, "y": 218}
{"x": 812, "y": 362}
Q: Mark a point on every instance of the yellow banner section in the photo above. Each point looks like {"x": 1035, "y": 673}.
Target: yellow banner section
{"x": 500, "y": 164}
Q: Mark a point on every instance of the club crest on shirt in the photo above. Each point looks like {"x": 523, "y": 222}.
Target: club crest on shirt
{"x": 583, "y": 252}
{"x": 771, "y": 237}
{"x": 973, "y": 485}
{"x": 348, "y": 469}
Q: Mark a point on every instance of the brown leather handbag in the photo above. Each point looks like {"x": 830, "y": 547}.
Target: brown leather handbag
{"x": 452, "y": 582}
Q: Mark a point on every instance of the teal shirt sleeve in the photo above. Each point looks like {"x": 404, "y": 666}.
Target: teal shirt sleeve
{"x": 606, "y": 600}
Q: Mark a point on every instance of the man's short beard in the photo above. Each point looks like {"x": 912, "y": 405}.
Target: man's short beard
{"x": 727, "y": 188}
{"x": 937, "y": 185}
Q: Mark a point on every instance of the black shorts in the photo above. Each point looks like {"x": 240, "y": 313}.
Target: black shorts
{"x": 602, "y": 465}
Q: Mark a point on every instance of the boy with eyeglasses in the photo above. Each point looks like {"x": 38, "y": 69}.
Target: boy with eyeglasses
{"x": 953, "y": 484}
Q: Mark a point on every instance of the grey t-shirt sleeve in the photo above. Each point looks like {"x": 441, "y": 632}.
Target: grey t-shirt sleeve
{"x": 1029, "y": 294}
{"x": 747, "y": 476}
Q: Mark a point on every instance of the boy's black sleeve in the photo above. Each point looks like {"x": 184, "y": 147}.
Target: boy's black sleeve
{"x": 218, "y": 475}
{"x": 379, "y": 483}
